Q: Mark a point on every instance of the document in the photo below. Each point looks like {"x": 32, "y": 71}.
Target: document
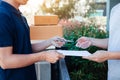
{"x": 74, "y": 53}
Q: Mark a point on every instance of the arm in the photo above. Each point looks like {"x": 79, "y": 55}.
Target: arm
{"x": 102, "y": 43}
{"x": 55, "y": 41}
{"x": 10, "y": 60}
{"x": 114, "y": 55}
{"x": 85, "y": 42}
{"x": 101, "y": 56}
{"x": 41, "y": 46}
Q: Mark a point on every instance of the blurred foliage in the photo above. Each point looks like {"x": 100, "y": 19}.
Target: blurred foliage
{"x": 64, "y": 11}
{"x": 67, "y": 9}
{"x": 84, "y": 8}
{"x": 81, "y": 69}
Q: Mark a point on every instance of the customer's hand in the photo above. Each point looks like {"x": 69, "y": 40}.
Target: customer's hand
{"x": 53, "y": 56}
{"x": 57, "y": 41}
{"x": 98, "y": 56}
{"x": 84, "y": 42}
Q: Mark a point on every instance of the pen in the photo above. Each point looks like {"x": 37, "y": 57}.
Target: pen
{"x": 64, "y": 40}
{"x": 68, "y": 40}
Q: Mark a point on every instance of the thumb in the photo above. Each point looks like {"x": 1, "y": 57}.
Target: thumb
{"x": 61, "y": 56}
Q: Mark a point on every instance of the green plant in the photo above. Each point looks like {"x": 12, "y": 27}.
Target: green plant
{"x": 81, "y": 69}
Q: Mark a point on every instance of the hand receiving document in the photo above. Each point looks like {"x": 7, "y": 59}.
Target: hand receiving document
{"x": 74, "y": 53}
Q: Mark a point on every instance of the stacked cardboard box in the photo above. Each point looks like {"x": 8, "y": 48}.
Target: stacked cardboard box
{"x": 45, "y": 27}
{"x": 45, "y": 20}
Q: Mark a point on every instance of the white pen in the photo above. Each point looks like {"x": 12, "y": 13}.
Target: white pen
{"x": 68, "y": 40}
{"x": 65, "y": 40}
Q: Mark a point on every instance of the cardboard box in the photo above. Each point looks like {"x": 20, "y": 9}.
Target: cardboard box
{"x": 45, "y": 20}
{"x": 45, "y": 32}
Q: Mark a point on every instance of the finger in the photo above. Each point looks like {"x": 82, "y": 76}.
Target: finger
{"x": 78, "y": 45}
{"x": 63, "y": 39}
{"x": 78, "y": 40}
{"x": 85, "y": 43}
{"x": 60, "y": 43}
{"x": 53, "y": 61}
{"x": 61, "y": 56}
{"x": 57, "y": 58}
{"x": 60, "y": 39}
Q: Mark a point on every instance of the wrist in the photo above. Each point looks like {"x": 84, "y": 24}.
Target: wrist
{"x": 108, "y": 54}
{"x": 49, "y": 41}
{"x": 42, "y": 56}
{"x": 92, "y": 41}
{"x": 112, "y": 55}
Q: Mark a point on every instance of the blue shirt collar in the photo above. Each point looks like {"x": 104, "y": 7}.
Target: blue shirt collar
{"x": 10, "y": 7}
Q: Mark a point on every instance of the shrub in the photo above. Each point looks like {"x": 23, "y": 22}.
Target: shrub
{"x": 81, "y": 69}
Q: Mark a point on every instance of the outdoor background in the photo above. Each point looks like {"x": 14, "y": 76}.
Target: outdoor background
{"x": 78, "y": 18}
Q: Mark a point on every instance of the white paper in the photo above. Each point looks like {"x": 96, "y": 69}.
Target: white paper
{"x": 74, "y": 53}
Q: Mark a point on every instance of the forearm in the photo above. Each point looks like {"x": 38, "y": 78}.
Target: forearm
{"x": 114, "y": 55}
{"x": 36, "y": 47}
{"x": 102, "y": 43}
{"x": 19, "y": 60}
{"x": 55, "y": 41}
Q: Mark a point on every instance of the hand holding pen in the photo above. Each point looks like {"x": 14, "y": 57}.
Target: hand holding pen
{"x": 58, "y": 41}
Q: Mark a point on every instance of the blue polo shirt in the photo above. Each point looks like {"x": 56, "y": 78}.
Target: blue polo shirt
{"x": 14, "y": 31}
